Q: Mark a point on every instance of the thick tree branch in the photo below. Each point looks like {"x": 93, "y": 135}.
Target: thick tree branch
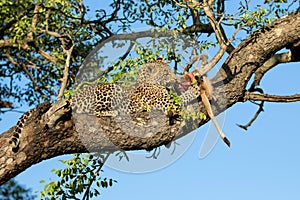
{"x": 253, "y": 52}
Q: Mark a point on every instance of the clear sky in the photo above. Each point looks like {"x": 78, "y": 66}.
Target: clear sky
{"x": 263, "y": 162}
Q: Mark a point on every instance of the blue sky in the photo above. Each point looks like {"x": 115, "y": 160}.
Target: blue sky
{"x": 263, "y": 162}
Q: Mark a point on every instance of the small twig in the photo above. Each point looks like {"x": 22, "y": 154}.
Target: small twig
{"x": 260, "y": 109}
{"x": 155, "y": 153}
{"x": 47, "y": 56}
{"x": 24, "y": 67}
{"x": 175, "y": 144}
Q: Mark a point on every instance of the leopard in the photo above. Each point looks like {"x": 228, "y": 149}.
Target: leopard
{"x": 110, "y": 99}
{"x": 151, "y": 92}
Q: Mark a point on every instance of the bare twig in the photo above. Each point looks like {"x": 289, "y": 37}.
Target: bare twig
{"x": 260, "y": 109}
{"x": 273, "y": 98}
{"x": 47, "y": 56}
{"x": 24, "y": 67}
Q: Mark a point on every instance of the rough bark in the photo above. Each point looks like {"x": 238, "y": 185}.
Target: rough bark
{"x": 53, "y": 132}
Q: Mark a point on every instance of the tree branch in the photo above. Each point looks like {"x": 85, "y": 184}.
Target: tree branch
{"x": 272, "y": 62}
{"x": 24, "y": 67}
{"x": 260, "y": 109}
{"x": 65, "y": 77}
{"x": 34, "y": 22}
{"x": 221, "y": 37}
{"x": 15, "y": 43}
{"x": 272, "y": 98}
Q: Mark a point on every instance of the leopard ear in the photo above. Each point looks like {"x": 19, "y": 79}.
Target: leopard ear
{"x": 161, "y": 58}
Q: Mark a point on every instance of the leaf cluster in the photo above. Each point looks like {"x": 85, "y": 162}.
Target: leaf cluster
{"x": 80, "y": 178}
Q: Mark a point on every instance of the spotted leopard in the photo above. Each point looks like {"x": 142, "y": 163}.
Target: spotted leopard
{"x": 150, "y": 92}
{"x": 112, "y": 99}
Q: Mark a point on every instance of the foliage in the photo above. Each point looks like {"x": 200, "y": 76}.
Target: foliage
{"x": 79, "y": 180}
{"x": 12, "y": 191}
{"x": 176, "y": 101}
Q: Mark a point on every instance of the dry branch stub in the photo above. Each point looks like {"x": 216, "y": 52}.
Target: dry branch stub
{"x": 109, "y": 76}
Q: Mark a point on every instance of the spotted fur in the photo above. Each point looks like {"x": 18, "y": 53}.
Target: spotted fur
{"x": 111, "y": 99}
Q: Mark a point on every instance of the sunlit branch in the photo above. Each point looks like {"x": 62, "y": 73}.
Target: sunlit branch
{"x": 273, "y": 98}
{"x": 15, "y": 43}
{"x": 65, "y": 77}
{"x": 272, "y": 62}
